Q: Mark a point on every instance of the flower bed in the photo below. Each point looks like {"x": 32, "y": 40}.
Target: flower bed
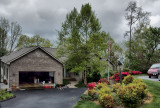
{"x": 130, "y": 94}
{"x": 116, "y": 76}
{"x": 4, "y": 95}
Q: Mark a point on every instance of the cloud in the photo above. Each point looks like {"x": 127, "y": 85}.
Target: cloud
{"x": 44, "y": 17}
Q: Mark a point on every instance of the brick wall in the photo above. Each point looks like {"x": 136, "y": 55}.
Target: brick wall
{"x": 36, "y": 60}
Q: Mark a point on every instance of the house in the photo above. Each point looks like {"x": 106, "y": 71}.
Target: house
{"x": 31, "y": 65}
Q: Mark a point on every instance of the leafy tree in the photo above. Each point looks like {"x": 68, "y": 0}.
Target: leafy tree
{"x": 82, "y": 42}
{"x": 145, "y": 49}
{"x": 36, "y": 40}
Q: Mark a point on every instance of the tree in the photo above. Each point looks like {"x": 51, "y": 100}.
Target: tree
{"x": 15, "y": 34}
{"x": 25, "y": 41}
{"x": 4, "y": 25}
{"x": 82, "y": 42}
{"x": 135, "y": 15}
{"x": 145, "y": 48}
{"x": 10, "y": 33}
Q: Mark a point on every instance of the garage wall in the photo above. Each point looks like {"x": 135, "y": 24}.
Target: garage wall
{"x": 36, "y": 60}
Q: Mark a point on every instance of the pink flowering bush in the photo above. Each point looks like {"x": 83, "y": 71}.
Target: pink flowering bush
{"x": 103, "y": 80}
{"x": 91, "y": 85}
{"x": 136, "y": 72}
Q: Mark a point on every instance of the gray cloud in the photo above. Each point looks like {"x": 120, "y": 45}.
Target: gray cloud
{"x": 45, "y": 17}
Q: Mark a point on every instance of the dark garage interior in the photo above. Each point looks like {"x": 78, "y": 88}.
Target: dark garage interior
{"x": 29, "y": 77}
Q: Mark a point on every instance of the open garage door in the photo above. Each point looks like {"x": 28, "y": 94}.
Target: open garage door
{"x": 36, "y": 77}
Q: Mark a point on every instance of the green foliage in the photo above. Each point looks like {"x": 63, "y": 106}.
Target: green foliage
{"x": 126, "y": 70}
{"x": 36, "y": 40}
{"x": 131, "y": 95}
{"x": 80, "y": 85}
{"x": 5, "y": 95}
{"x": 106, "y": 101}
{"x": 128, "y": 79}
{"x": 116, "y": 99}
{"x": 65, "y": 82}
{"x": 92, "y": 92}
{"x": 85, "y": 97}
{"x": 101, "y": 85}
{"x": 145, "y": 50}
{"x": 83, "y": 43}
{"x": 115, "y": 87}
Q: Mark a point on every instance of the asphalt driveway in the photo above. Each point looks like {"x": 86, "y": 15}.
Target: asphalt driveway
{"x": 48, "y": 98}
{"x": 153, "y": 78}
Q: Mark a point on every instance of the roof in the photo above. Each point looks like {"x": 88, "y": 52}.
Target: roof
{"x": 23, "y": 51}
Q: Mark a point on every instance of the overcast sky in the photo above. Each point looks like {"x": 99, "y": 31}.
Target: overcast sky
{"x": 44, "y": 17}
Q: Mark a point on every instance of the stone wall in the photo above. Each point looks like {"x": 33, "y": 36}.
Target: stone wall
{"x": 38, "y": 61}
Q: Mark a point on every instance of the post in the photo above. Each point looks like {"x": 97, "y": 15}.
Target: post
{"x": 120, "y": 75}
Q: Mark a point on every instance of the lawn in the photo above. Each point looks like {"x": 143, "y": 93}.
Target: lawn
{"x": 86, "y": 104}
{"x": 154, "y": 88}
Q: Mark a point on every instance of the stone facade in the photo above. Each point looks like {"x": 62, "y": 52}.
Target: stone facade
{"x": 35, "y": 61}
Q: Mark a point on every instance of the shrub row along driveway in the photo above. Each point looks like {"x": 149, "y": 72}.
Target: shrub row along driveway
{"x": 48, "y": 98}
{"x": 153, "y": 78}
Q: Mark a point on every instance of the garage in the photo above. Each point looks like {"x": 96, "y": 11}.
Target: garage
{"x": 36, "y": 77}
{"x": 32, "y": 66}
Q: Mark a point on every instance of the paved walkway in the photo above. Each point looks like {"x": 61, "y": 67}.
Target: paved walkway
{"x": 72, "y": 84}
{"x": 48, "y": 98}
{"x": 153, "y": 78}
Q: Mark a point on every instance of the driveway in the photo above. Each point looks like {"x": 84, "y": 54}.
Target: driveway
{"x": 48, "y": 98}
{"x": 153, "y": 78}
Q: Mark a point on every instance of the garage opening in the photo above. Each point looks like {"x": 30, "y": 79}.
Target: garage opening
{"x": 35, "y": 79}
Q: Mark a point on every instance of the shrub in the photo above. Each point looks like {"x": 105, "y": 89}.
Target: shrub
{"x": 103, "y": 80}
{"x": 91, "y": 85}
{"x": 131, "y": 95}
{"x": 116, "y": 99}
{"x": 115, "y": 87}
{"x": 106, "y": 101}
{"x": 126, "y": 70}
{"x": 100, "y": 85}
{"x": 136, "y": 72}
{"x": 92, "y": 92}
{"x": 104, "y": 90}
{"x": 85, "y": 97}
{"x": 5, "y": 95}
{"x": 128, "y": 79}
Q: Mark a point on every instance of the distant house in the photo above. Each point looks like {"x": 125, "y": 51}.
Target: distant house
{"x": 30, "y": 63}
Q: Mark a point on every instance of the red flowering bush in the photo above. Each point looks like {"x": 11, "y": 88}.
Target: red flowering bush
{"x": 136, "y": 72}
{"x": 91, "y": 85}
{"x": 103, "y": 80}
{"x": 116, "y": 76}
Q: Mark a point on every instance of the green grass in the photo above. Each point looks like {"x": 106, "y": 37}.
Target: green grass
{"x": 154, "y": 88}
{"x": 86, "y": 104}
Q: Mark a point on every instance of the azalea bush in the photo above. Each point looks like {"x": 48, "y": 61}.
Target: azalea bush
{"x": 136, "y": 72}
{"x": 91, "y": 85}
{"x": 103, "y": 80}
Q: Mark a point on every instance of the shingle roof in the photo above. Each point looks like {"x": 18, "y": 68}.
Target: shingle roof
{"x": 23, "y": 51}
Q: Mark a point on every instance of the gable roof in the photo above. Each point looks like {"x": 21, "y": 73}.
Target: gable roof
{"x": 23, "y": 51}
